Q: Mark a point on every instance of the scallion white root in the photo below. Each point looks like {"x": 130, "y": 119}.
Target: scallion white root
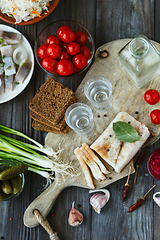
{"x": 21, "y": 152}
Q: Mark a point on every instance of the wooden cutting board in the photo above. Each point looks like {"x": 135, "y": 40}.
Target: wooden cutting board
{"x": 126, "y": 97}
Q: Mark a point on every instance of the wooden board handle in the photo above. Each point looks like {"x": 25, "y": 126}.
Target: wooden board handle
{"x": 43, "y": 203}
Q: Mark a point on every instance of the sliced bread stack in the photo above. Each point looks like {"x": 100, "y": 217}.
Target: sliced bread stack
{"x": 49, "y": 105}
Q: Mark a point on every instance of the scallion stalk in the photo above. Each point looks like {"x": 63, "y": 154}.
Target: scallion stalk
{"x": 21, "y": 152}
{"x": 49, "y": 152}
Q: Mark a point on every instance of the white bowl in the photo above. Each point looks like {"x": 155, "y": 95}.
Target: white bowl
{"x": 20, "y": 87}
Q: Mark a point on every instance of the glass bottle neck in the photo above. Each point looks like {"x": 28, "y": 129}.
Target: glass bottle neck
{"x": 138, "y": 47}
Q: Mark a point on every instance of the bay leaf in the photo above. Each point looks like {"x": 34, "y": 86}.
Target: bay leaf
{"x": 125, "y": 132}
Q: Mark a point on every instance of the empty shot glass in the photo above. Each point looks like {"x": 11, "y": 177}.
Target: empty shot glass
{"x": 79, "y": 117}
{"x": 98, "y": 90}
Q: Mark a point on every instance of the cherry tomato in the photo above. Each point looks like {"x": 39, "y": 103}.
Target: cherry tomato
{"x": 73, "y": 48}
{"x": 155, "y": 116}
{"x": 76, "y": 70}
{"x": 65, "y": 67}
{"x": 64, "y": 46}
{"x": 80, "y": 61}
{"x": 61, "y": 29}
{"x": 68, "y": 36}
{"x": 152, "y": 96}
{"x": 49, "y": 64}
{"x": 86, "y": 52}
{"x": 53, "y": 51}
{"x": 49, "y": 38}
{"x": 64, "y": 55}
{"x": 42, "y": 51}
{"x": 81, "y": 38}
{"x": 55, "y": 40}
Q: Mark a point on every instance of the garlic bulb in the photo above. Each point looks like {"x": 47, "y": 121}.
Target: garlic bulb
{"x": 99, "y": 200}
{"x": 157, "y": 199}
{"x": 75, "y": 217}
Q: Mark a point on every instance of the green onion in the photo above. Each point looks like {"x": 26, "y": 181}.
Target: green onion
{"x": 22, "y": 152}
{"x": 49, "y": 152}
{"x": 9, "y": 67}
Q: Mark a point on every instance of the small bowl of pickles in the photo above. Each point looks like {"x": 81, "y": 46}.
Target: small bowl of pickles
{"x": 11, "y": 179}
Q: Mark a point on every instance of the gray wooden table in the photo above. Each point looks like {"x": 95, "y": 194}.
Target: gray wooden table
{"x": 106, "y": 21}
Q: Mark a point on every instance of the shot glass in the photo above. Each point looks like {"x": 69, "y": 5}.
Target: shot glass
{"x": 79, "y": 117}
{"x": 98, "y": 90}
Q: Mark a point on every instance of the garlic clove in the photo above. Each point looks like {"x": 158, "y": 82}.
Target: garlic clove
{"x": 98, "y": 200}
{"x": 75, "y": 217}
{"x": 156, "y": 199}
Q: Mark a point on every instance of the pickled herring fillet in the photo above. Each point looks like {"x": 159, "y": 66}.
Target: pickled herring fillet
{"x": 115, "y": 152}
{"x": 9, "y": 67}
{"x": 8, "y": 83}
{"x": 1, "y": 83}
{"x": 1, "y": 68}
{"x": 7, "y": 51}
{"x": 10, "y": 37}
{"x": 23, "y": 71}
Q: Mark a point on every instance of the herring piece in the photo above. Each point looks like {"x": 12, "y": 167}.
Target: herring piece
{"x": 1, "y": 68}
{"x": 3, "y": 45}
{"x": 1, "y": 83}
{"x": 9, "y": 67}
{"x": 10, "y": 37}
{"x": 23, "y": 71}
{"x": 115, "y": 152}
{"x": 8, "y": 83}
{"x": 7, "y": 51}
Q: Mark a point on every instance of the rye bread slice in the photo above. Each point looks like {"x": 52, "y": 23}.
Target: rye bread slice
{"x": 42, "y": 127}
{"x": 59, "y": 126}
{"x": 51, "y": 100}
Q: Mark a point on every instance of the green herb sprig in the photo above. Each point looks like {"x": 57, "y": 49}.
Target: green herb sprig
{"x": 125, "y": 132}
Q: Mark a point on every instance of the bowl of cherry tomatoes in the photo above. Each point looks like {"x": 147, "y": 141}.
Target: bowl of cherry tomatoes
{"x": 64, "y": 49}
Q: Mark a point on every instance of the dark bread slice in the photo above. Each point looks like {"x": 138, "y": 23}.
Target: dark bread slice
{"x": 42, "y": 127}
{"x": 59, "y": 126}
{"x": 51, "y": 100}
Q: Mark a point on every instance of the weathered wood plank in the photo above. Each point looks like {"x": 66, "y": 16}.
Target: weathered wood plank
{"x": 107, "y": 21}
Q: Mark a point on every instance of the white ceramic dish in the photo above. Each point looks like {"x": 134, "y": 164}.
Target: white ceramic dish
{"x": 18, "y": 88}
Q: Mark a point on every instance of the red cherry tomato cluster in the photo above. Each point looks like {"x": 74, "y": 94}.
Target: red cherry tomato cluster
{"x": 65, "y": 53}
{"x": 152, "y": 97}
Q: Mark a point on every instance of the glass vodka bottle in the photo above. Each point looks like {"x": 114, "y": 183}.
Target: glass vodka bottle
{"x": 140, "y": 60}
